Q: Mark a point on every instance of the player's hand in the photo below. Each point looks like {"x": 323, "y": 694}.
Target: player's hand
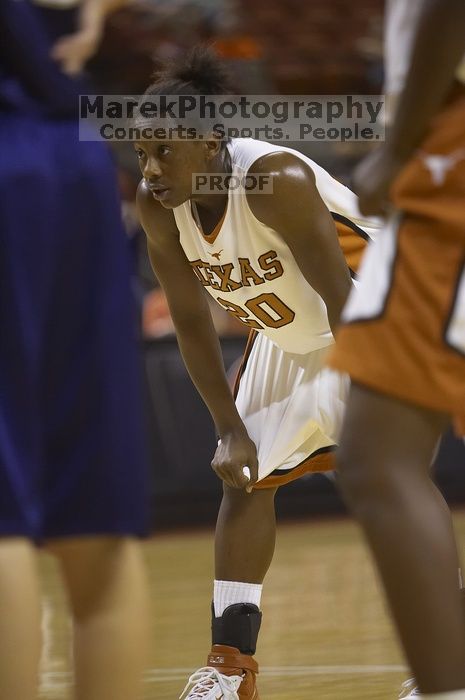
{"x": 372, "y": 180}
{"x": 73, "y": 51}
{"x": 234, "y": 452}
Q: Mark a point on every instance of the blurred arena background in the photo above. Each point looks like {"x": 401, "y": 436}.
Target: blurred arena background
{"x": 271, "y": 47}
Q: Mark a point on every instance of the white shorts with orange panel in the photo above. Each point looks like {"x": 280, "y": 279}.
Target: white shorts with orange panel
{"x": 292, "y": 406}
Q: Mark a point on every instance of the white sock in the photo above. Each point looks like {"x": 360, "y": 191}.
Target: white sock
{"x": 226, "y": 593}
{"x": 454, "y": 695}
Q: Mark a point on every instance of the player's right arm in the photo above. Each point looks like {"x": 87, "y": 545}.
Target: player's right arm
{"x": 197, "y": 338}
{"x": 438, "y": 46}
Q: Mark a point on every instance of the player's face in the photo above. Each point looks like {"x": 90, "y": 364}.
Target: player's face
{"x": 168, "y": 166}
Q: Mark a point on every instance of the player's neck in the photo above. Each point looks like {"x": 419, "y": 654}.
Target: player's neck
{"x": 210, "y": 203}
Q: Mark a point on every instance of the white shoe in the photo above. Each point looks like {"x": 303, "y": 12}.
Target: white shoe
{"x": 209, "y": 684}
{"x": 410, "y": 690}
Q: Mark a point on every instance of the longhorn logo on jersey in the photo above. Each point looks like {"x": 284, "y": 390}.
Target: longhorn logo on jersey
{"x": 439, "y": 165}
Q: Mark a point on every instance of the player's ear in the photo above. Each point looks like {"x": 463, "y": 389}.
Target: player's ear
{"x": 212, "y": 146}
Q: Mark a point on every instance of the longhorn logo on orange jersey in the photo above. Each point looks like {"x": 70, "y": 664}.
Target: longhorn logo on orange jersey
{"x": 439, "y": 165}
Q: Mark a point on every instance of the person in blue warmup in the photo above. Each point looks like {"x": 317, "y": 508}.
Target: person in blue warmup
{"x": 73, "y": 469}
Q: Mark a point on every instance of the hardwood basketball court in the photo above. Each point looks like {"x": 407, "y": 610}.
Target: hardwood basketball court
{"x": 325, "y": 632}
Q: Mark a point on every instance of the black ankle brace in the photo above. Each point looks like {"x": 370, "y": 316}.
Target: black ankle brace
{"x": 238, "y": 627}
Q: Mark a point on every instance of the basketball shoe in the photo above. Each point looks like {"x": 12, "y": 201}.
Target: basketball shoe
{"x": 229, "y": 675}
{"x": 410, "y": 690}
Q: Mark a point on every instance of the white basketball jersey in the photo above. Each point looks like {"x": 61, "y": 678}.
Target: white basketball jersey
{"x": 248, "y": 268}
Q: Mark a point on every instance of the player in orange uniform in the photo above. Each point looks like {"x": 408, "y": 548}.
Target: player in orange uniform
{"x": 403, "y": 343}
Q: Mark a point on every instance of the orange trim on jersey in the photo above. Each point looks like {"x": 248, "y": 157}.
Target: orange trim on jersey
{"x": 211, "y": 237}
{"x": 323, "y": 462}
{"x": 353, "y": 244}
{"x": 248, "y": 349}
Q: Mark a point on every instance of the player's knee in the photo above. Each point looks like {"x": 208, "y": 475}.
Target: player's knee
{"x": 370, "y": 487}
{"x": 92, "y": 568}
{"x": 240, "y": 499}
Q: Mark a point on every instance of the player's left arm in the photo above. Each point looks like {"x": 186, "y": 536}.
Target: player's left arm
{"x": 296, "y": 211}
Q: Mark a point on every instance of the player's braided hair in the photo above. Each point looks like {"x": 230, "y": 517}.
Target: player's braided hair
{"x": 200, "y": 73}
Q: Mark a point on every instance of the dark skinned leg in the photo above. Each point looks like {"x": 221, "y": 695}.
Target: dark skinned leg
{"x": 245, "y": 535}
{"x": 384, "y": 462}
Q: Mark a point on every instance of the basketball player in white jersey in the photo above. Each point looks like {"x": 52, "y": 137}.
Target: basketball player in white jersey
{"x": 275, "y": 262}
